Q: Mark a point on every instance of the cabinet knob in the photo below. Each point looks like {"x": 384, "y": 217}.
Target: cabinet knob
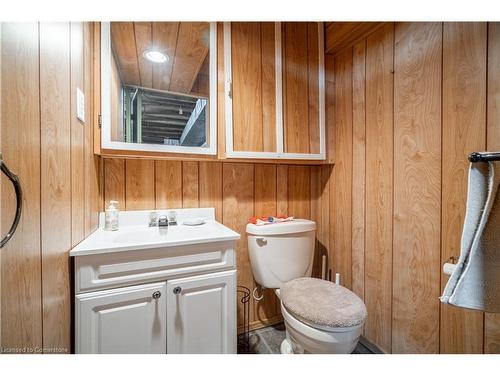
{"x": 156, "y": 294}
{"x": 177, "y": 290}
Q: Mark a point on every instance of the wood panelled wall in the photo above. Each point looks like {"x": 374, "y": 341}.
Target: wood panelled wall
{"x": 52, "y": 153}
{"x": 412, "y": 100}
{"x": 236, "y": 190}
{"x": 405, "y": 105}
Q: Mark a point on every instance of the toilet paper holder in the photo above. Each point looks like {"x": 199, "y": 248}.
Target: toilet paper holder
{"x": 450, "y": 266}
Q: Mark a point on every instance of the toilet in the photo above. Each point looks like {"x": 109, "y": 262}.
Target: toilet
{"x": 320, "y": 316}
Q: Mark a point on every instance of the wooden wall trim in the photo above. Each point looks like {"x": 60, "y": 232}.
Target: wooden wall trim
{"x": 117, "y": 154}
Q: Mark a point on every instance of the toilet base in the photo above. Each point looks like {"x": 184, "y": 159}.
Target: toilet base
{"x": 285, "y": 347}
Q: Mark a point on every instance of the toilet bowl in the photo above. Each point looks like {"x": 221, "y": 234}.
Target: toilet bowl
{"x": 304, "y": 338}
{"x": 320, "y": 316}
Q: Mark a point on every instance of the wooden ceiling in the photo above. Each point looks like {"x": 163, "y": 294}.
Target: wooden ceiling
{"x": 186, "y": 44}
{"x": 339, "y": 35}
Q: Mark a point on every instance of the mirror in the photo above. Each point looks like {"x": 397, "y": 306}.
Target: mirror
{"x": 159, "y": 86}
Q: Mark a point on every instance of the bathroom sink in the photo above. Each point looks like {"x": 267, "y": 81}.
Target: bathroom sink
{"x": 134, "y": 234}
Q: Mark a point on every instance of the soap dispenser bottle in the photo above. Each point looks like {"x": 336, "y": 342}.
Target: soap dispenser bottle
{"x": 111, "y": 216}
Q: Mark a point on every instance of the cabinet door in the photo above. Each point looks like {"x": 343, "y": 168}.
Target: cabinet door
{"x": 301, "y": 87}
{"x": 275, "y": 91}
{"x": 126, "y": 320}
{"x": 253, "y": 58}
{"x": 201, "y": 314}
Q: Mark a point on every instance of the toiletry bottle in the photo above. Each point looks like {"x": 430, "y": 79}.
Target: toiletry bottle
{"x": 111, "y": 216}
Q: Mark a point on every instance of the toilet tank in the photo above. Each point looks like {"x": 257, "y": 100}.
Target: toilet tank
{"x": 281, "y": 252}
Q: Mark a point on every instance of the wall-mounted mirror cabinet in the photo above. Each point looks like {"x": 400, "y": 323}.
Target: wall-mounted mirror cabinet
{"x": 275, "y": 90}
{"x": 159, "y": 86}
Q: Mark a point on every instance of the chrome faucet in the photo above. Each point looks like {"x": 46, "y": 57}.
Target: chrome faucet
{"x": 163, "y": 221}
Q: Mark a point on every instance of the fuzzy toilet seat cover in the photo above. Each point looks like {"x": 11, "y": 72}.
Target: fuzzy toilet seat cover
{"x": 323, "y": 303}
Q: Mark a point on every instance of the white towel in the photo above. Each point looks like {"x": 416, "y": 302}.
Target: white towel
{"x": 475, "y": 282}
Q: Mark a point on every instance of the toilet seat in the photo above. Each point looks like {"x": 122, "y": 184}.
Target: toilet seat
{"x": 306, "y": 326}
{"x": 322, "y": 304}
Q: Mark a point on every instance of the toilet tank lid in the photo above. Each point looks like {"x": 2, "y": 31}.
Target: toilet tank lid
{"x": 295, "y": 226}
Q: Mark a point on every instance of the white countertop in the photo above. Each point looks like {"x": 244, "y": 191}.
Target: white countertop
{"x": 134, "y": 233}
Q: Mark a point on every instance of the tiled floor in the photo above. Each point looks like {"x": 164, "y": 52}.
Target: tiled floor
{"x": 268, "y": 340}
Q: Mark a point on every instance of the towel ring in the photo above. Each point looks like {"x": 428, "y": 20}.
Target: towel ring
{"x": 19, "y": 201}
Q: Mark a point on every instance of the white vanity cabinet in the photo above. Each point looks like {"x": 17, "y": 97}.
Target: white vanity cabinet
{"x": 152, "y": 290}
{"x": 188, "y": 315}
{"x": 124, "y": 320}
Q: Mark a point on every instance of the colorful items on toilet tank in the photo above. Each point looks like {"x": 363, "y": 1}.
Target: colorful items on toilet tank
{"x": 265, "y": 220}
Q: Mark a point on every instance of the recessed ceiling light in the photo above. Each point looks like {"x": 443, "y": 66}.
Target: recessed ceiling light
{"x": 155, "y": 56}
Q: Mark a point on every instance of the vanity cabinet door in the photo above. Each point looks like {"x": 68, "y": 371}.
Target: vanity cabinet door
{"x": 201, "y": 314}
{"x": 126, "y": 320}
